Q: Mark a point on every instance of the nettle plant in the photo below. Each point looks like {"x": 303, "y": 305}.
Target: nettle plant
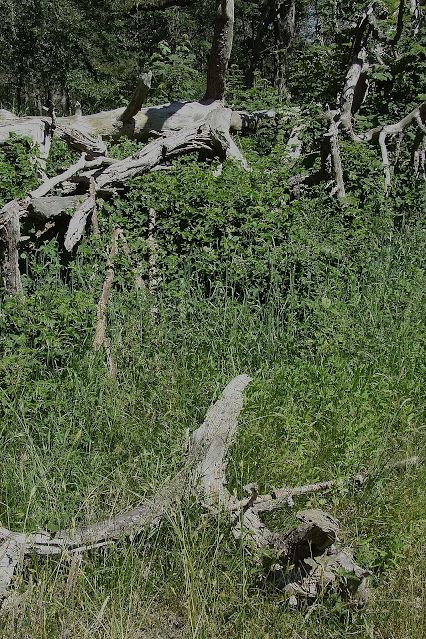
{"x": 18, "y": 169}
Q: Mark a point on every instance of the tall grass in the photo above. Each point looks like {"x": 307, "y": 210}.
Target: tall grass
{"x": 338, "y": 361}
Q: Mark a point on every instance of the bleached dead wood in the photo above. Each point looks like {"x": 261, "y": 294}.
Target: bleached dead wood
{"x": 210, "y": 135}
{"x": 138, "y": 98}
{"x": 165, "y": 118}
{"x": 78, "y": 223}
{"x": 220, "y": 417}
{"x": 48, "y": 185}
{"x": 10, "y": 552}
{"x": 53, "y": 206}
{"x": 205, "y": 471}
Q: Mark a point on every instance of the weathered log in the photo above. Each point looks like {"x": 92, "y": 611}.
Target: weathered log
{"x": 137, "y": 99}
{"x": 49, "y": 184}
{"x": 210, "y": 135}
{"x": 221, "y": 417}
{"x": 161, "y": 118}
{"x": 310, "y": 547}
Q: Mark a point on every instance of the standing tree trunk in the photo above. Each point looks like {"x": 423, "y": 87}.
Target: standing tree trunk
{"x": 284, "y": 28}
{"x": 221, "y": 50}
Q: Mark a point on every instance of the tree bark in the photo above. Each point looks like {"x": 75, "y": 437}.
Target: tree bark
{"x": 221, "y": 50}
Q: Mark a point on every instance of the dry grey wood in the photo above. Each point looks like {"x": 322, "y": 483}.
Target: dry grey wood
{"x": 47, "y": 186}
{"x": 82, "y": 131}
{"x": 82, "y": 141}
{"x": 336, "y": 161}
{"x": 355, "y": 88}
{"x": 222, "y": 415}
{"x": 279, "y": 498}
{"x": 9, "y": 241}
{"x": 52, "y": 206}
{"x": 78, "y": 223}
{"x": 37, "y": 129}
{"x": 214, "y": 438}
{"x": 10, "y": 552}
{"x": 138, "y": 98}
{"x": 210, "y": 135}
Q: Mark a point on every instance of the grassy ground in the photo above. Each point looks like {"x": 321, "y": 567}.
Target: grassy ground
{"x": 340, "y": 394}
{"x": 336, "y": 348}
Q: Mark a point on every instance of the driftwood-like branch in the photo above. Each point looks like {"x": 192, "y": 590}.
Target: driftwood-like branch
{"x": 221, "y": 420}
{"x": 9, "y": 242}
{"x": 53, "y": 206}
{"x": 205, "y": 471}
{"x": 78, "y": 223}
{"x": 210, "y": 135}
{"x": 416, "y": 115}
{"x": 138, "y": 98}
{"x": 385, "y": 159}
{"x": 47, "y": 186}
{"x": 282, "y": 497}
{"x": 333, "y": 137}
{"x": 355, "y": 88}
{"x": 83, "y": 142}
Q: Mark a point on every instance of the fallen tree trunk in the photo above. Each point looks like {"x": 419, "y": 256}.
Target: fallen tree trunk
{"x": 82, "y": 131}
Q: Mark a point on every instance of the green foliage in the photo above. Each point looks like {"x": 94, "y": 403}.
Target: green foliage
{"x": 60, "y": 157}
{"x": 18, "y": 170}
{"x": 176, "y": 78}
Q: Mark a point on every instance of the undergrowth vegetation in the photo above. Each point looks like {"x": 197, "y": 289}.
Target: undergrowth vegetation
{"x": 322, "y": 304}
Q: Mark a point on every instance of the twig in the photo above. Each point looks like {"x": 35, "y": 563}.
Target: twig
{"x": 101, "y": 338}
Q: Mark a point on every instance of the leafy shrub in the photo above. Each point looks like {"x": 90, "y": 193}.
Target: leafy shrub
{"x": 18, "y": 169}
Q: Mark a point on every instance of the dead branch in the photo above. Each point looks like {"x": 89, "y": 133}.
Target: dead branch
{"x": 53, "y": 206}
{"x": 355, "y": 88}
{"x": 9, "y": 242}
{"x": 385, "y": 159}
{"x": 78, "y": 223}
{"x": 92, "y": 194}
{"x": 205, "y": 470}
{"x": 47, "y": 186}
{"x": 101, "y": 338}
{"x": 333, "y": 137}
{"x": 281, "y": 497}
{"x": 221, "y": 419}
{"x": 82, "y": 141}
{"x": 138, "y": 98}
{"x": 210, "y": 135}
